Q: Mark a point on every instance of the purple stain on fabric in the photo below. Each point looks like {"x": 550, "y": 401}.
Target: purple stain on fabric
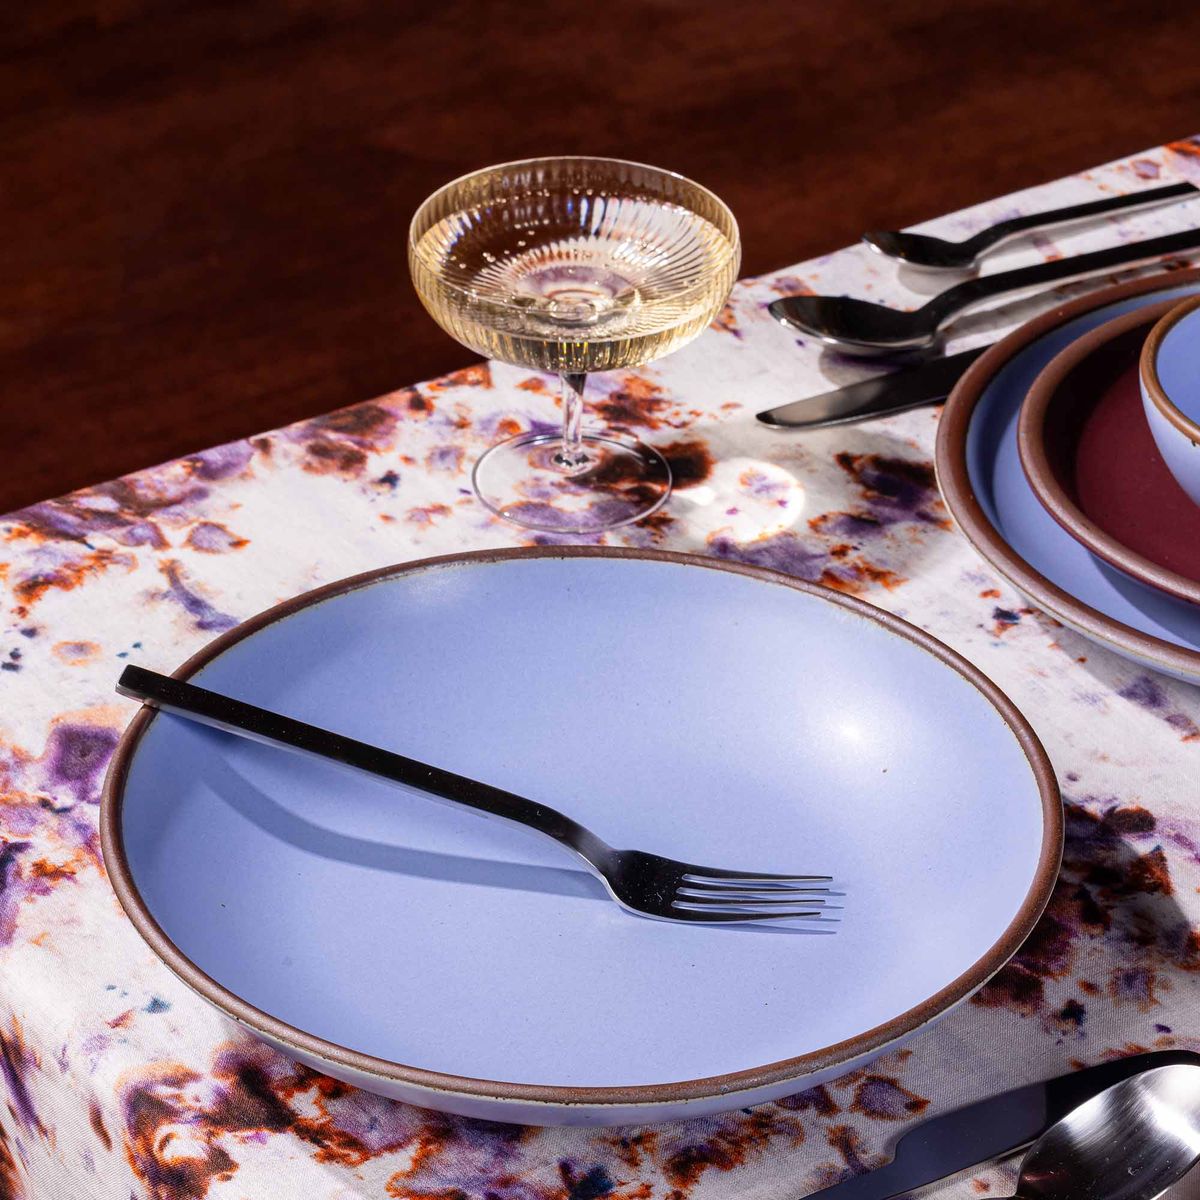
{"x": 15, "y": 1063}
{"x": 1181, "y": 721}
{"x": 1133, "y": 985}
{"x": 816, "y": 1098}
{"x": 51, "y": 518}
{"x": 207, "y": 616}
{"x": 852, "y": 526}
{"x": 543, "y": 514}
{"x": 1144, "y": 692}
{"x": 884, "y": 1099}
{"x": 763, "y": 487}
{"x": 20, "y": 821}
{"x": 10, "y": 894}
{"x": 211, "y": 538}
{"x": 222, "y": 461}
{"x": 8, "y": 862}
{"x": 593, "y": 1184}
{"x": 896, "y": 489}
{"x": 142, "y": 533}
{"x": 780, "y": 552}
{"x": 1073, "y": 1013}
{"x": 445, "y": 458}
{"x": 76, "y": 758}
{"x": 129, "y": 500}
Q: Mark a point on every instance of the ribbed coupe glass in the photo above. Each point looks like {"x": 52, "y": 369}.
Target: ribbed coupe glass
{"x": 573, "y": 265}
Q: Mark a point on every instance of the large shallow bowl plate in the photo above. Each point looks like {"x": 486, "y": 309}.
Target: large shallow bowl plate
{"x": 979, "y": 472}
{"x": 716, "y": 713}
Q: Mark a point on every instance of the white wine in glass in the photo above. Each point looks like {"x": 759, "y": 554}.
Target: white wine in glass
{"x": 573, "y": 265}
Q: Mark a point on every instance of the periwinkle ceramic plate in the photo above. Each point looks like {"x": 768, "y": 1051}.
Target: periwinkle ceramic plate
{"x": 706, "y": 710}
{"x": 979, "y": 472}
{"x": 1090, "y": 458}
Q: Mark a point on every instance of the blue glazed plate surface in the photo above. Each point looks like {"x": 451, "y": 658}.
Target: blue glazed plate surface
{"x": 718, "y": 715}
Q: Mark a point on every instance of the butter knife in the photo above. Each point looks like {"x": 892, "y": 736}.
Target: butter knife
{"x": 990, "y": 1128}
{"x": 911, "y": 387}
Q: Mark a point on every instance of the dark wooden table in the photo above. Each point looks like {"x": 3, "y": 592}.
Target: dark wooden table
{"x": 204, "y": 204}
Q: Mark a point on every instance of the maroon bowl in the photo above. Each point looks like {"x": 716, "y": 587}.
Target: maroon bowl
{"x": 1089, "y": 456}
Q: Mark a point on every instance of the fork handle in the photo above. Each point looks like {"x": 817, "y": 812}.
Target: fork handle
{"x": 1051, "y": 219}
{"x": 222, "y": 712}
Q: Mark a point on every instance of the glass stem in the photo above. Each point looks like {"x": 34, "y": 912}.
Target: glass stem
{"x": 571, "y": 456}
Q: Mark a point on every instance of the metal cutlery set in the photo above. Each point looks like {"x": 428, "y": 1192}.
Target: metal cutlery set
{"x": 1122, "y": 1130}
{"x": 864, "y": 329}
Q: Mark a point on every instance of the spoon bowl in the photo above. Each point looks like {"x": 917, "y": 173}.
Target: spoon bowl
{"x": 1133, "y": 1141}
{"x": 924, "y": 250}
{"x": 857, "y": 326}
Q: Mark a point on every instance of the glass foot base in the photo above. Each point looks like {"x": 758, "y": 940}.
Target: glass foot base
{"x": 622, "y": 482}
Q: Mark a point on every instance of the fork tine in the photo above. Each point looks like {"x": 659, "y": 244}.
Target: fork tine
{"x": 730, "y": 918}
{"x": 706, "y": 874}
{"x": 735, "y": 901}
{"x": 728, "y": 887}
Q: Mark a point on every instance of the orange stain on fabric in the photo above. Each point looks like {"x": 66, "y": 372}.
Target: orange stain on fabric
{"x": 69, "y": 575}
{"x": 76, "y": 654}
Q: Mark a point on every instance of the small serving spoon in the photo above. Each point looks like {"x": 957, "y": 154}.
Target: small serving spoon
{"x": 1133, "y": 1141}
{"x": 862, "y": 328}
{"x": 923, "y": 250}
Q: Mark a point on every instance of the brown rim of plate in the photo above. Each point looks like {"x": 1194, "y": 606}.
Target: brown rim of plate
{"x": 1148, "y": 368}
{"x": 1031, "y": 445}
{"x": 955, "y": 482}
{"x": 643, "y": 1094}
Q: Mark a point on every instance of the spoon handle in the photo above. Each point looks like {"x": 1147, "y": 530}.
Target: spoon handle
{"x": 973, "y": 291}
{"x": 1002, "y": 230}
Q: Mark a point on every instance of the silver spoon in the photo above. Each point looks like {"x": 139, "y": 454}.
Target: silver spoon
{"x": 922, "y": 250}
{"x": 860, "y": 327}
{"x": 1133, "y": 1141}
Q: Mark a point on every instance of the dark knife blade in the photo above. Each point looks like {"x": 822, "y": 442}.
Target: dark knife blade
{"x": 966, "y": 1137}
{"x": 910, "y": 387}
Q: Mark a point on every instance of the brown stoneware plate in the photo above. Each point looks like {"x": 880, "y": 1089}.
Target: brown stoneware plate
{"x": 1089, "y": 456}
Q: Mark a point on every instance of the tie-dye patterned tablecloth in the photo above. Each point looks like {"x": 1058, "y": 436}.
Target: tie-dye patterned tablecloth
{"x": 118, "y": 1082}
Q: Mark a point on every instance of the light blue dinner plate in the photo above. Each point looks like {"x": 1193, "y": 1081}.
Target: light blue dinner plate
{"x": 985, "y": 488}
{"x": 704, "y": 710}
